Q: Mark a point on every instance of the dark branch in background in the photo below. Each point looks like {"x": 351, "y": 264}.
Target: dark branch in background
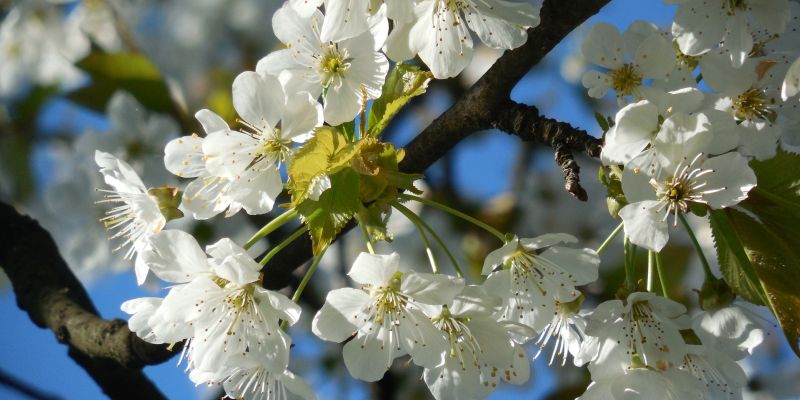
{"x": 524, "y": 121}
{"x": 46, "y": 288}
{"x": 26, "y": 389}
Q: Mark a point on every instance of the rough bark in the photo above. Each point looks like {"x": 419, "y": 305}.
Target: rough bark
{"x": 54, "y": 299}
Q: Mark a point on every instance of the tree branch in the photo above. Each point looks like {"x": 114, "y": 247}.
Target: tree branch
{"x": 46, "y": 288}
{"x": 524, "y": 121}
{"x": 478, "y": 107}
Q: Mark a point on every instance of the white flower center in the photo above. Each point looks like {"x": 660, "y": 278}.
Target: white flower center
{"x": 754, "y": 104}
{"x": 333, "y": 64}
{"x": 625, "y": 79}
{"x": 685, "y": 186}
{"x": 389, "y": 302}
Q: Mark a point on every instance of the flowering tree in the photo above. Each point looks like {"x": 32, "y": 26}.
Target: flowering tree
{"x": 701, "y": 143}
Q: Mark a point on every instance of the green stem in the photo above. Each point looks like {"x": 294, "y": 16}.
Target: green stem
{"x": 370, "y": 247}
{"x": 304, "y": 282}
{"x": 410, "y": 214}
{"x": 706, "y": 267}
{"x": 456, "y": 213}
{"x": 651, "y": 269}
{"x": 271, "y": 226}
{"x": 630, "y": 268}
{"x": 661, "y": 279}
{"x": 275, "y": 250}
{"x": 414, "y": 220}
{"x": 610, "y": 238}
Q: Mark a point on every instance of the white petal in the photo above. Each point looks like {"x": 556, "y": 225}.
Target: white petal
{"x": 645, "y": 225}
{"x": 444, "y": 45}
{"x": 731, "y": 173}
{"x": 431, "y": 288}
{"x": 604, "y": 46}
{"x": 341, "y": 315}
{"x": 655, "y": 57}
{"x": 184, "y": 157}
{"x": 374, "y": 269}
{"x": 791, "y": 85}
{"x": 368, "y": 356}
{"x": 175, "y": 256}
{"x": 258, "y": 99}
{"x": 302, "y": 114}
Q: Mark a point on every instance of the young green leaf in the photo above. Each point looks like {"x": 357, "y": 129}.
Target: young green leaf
{"x": 403, "y": 83}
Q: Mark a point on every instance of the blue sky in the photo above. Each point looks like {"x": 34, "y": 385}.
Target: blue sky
{"x": 33, "y": 354}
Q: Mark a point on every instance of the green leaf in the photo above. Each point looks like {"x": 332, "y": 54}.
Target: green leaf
{"x": 131, "y": 72}
{"x": 336, "y": 206}
{"x": 778, "y": 184}
{"x": 402, "y": 84}
{"x": 323, "y": 154}
{"x": 733, "y": 260}
{"x": 602, "y": 121}
{"x": 373, "y": 219}
{"x": 776, "y": 261}
{"x": 348, "y": 129}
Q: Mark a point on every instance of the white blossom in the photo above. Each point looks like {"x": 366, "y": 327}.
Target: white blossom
{"x": 537, "y": 275}
{"x": 630, "y": 59}
{"x": 701, "y": 25}
{"x": 481, "y": 351}
{"x": 136, "y": 217}
{"x": 440, "y": 33}
{"x": 384, "y": 316}
{"x": 346, "y": 72}
{"x": 643, "y": 331}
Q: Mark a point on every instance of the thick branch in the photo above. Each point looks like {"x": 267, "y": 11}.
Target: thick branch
{"x": 474, "y": 111}
{"x": 526, "y": 122}
{"x": 54, "y": 299}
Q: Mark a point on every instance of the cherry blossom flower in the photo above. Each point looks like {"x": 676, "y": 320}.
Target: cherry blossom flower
{"x": 650, "y": 57}
{"x": 253, "y": 189}
{"x": 249, "y": 379}
{"x": 643, "y": 331}
{"x": 676, "y": 175}
{"x": 219, "y": 302}
{"x": 481, "y": 350}
{"x": 536, "y": 275}
{"x": 137, "y": 217}
{"x": 345, "y": 72}
{"x": 384, "y": 317}
{"x": 646, "y": 384}
{"x": 440, "y": 32}
{"x": 701, "y": 25}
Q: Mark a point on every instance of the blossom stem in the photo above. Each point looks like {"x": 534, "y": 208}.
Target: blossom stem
{"x": 405, "y": 211}
{"x": 304, "y": 282}
{"x": 456, "y": 213}
{"x": 271, "y": 226}
{"x": 417, "y": 223}
{"x": 706, "y": 267}
{"x": 661, "y": 279}
{"x": 651, "y": 269}
{"x": 275, "y": 250}
{"x": 630, "y": 267}
{"x": 610, "y": 238}
{"x": 367, "y": 240}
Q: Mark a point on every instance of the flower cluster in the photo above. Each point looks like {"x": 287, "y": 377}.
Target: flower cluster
{"x": 697, "y": 106}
